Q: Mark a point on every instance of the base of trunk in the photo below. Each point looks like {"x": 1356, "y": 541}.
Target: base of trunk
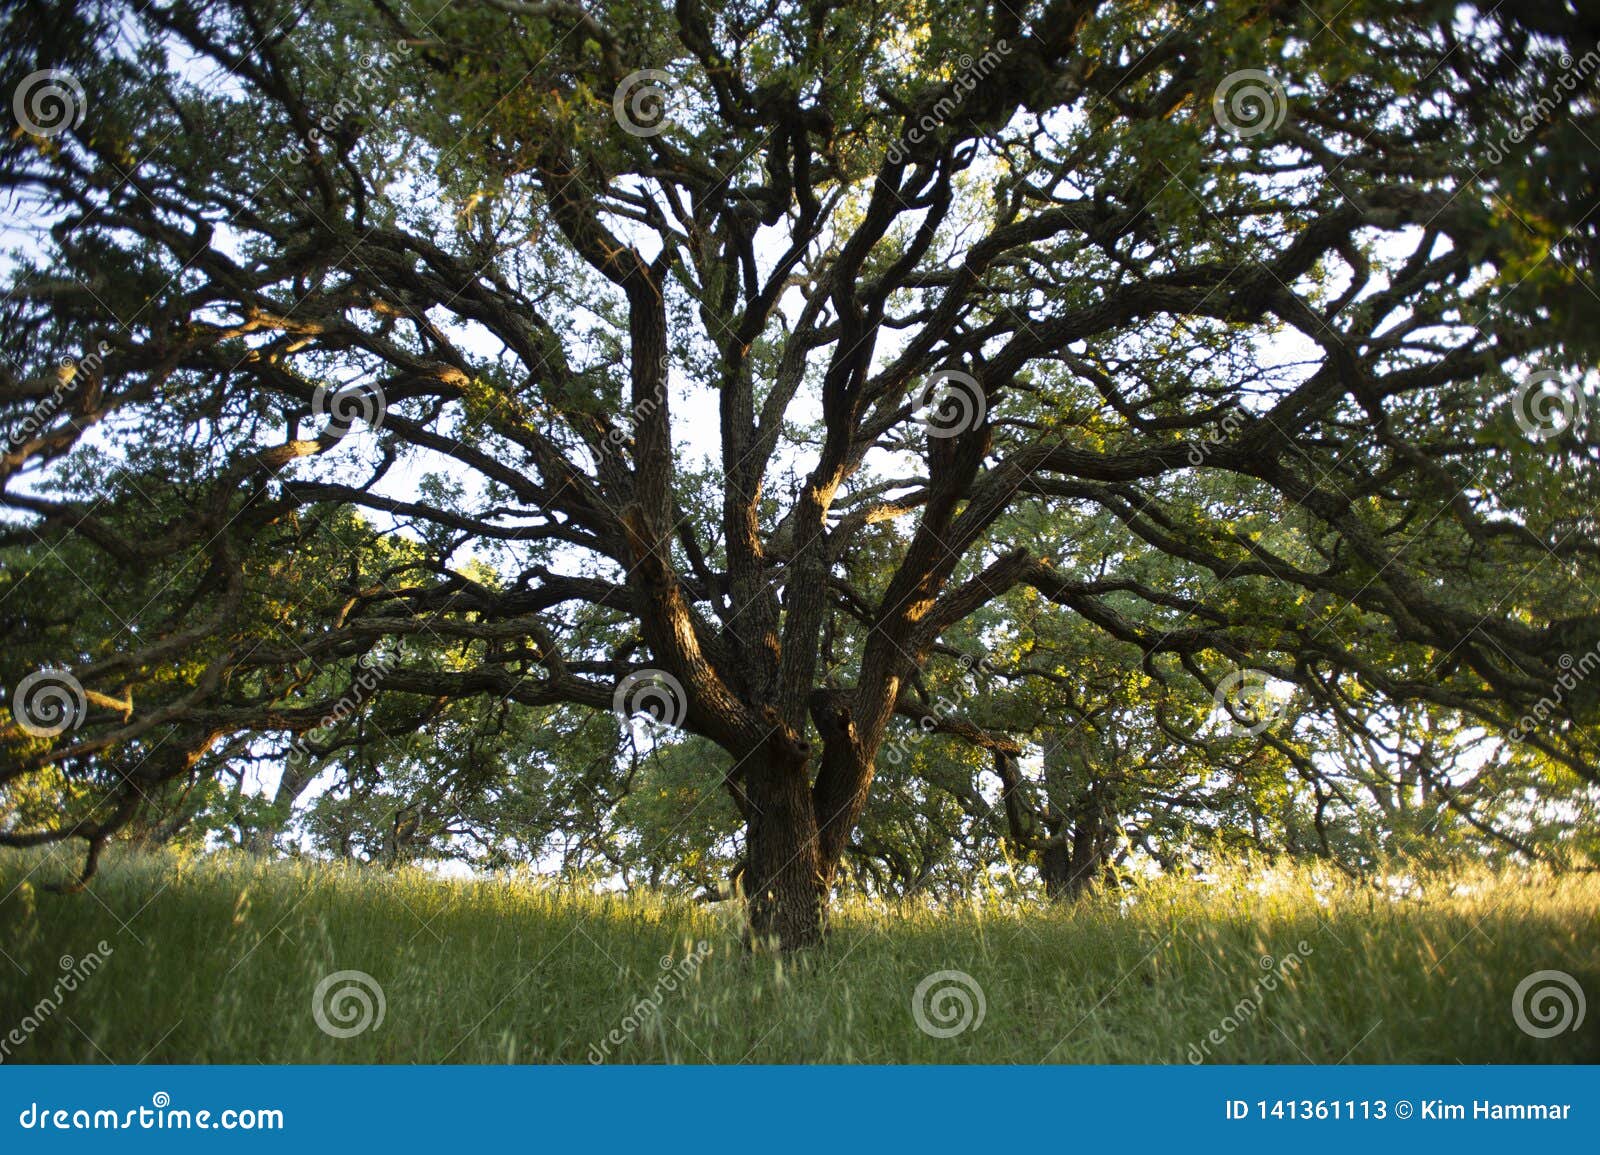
{"x": 1070, "y": 872}
{"x": 783, "y": 877}
{"x": 787, "y": 920}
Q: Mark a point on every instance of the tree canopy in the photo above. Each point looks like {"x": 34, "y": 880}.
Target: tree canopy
{"x": 939, "y": 433}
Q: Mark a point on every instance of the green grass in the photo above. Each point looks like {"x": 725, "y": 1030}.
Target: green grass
{"x": 216, "y": 960}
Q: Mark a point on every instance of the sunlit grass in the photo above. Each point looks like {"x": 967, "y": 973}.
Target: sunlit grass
{"x": 217, "y": 960}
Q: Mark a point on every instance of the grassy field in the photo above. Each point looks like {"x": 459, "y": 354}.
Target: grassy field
{"x": 220, "y": 960}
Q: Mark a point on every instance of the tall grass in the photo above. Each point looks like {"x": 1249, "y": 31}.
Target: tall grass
{"x": 218, "y": 959}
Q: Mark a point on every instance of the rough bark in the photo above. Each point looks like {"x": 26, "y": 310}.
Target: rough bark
{"x": 987, "y": 298}
{"x": 1072, "y": 864}
{"x": 783, "y": 876}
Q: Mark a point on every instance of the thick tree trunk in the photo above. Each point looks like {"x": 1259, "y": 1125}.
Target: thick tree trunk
{"x": 783, "y": 878}
{"x": 843, "y": 782}
{"x": 1071, "y": 864}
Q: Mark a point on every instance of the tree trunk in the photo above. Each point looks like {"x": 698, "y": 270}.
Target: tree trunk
{"x": 783, "y": 877}
{"x": 1070, "y": 866}
{"x": 843, "y": 782}
{"x": 261, "y": 841}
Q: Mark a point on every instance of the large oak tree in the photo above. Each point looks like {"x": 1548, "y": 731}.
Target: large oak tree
{"x": 737, "y": 362}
